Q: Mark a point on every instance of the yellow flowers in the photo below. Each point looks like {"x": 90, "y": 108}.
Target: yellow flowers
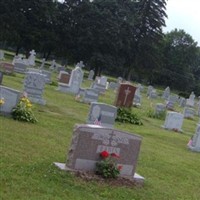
{"x": 26, "y": 102}
{"x": 2, "y": 101}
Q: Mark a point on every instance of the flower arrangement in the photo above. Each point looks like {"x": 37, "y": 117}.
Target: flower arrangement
{"x": 107, "y": 166}
{"x": 23, "y": 111}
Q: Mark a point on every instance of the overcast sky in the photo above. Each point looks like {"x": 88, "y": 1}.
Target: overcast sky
{"x": 184, "y": 14}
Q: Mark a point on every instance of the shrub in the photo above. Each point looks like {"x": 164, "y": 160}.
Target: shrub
{"x": 125, "y": 115}
{"x": 23, "y": 111}
{"x": 107, "y": 167}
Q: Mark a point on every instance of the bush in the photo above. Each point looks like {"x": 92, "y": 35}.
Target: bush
{"x": 125, "y": 115}
{"x": 23, "y": 111}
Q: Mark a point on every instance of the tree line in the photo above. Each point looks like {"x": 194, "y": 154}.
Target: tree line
{"x": 116, "y": 37}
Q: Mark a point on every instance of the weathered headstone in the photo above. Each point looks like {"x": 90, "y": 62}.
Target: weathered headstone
{"x": 31, "y": 58}
{"x": 100, "y": 88}
{"x": 153, "y": 94}
{"x": 125, "y": 95}
{"x": 166, "y": 93}
{"x": 195, "y": 143}
{"x": 10, "y": 97}
{"x": 91, "y": 75}
{"x": 182, "y": 102}
{"x": 103, "y": 80}
{"x": 173, "y": 121}
{"x": 89, "y": 141}
{"x": 137, "y": 98}
{"x": 113, "y": 85}
{"x": 34, "y": 84}
{"x": 42, "y": 63}
{"x": 1, "y": 77}
{"x": 102, "y": 114}
{"x": 189, "y": 113}
{"x": 75, "y": 81}
{"x": 190, "y": 102}
{"x": 149, "y": 89}
{"x": 160, "y": 108}
{"x": 170, "y": 105}
{"x": 80, "y": 64}
{"x": 20, "y": 67}
{"x": 90, "y": 95}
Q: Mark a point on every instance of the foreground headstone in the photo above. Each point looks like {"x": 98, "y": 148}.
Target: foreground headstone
{"x": 10, "y": 97}
{"x": 125, "y": 95}
{"x": 34, "y": 84}
{"x": 194, "y": 145}
{"x": 89, "y": 141}
{"x": 173, "y": 121}
{"x": 102, "y": 114}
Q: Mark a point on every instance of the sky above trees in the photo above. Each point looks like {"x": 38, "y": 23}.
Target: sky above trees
{"x": 184, "y": 14}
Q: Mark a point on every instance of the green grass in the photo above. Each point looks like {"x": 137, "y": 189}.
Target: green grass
{"x": 28, "y": 151}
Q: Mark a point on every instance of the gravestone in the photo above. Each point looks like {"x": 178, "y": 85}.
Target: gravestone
{"x": 91, "y": 75}
{"x": 102, "y": 114}
{"x": 160, "y": 108}
{"x": 137, "y": 98}
{"x": 173, "y": 121}
{"x": 1, "y": 77}
{"x": 119, "y": 80}
{"x": 64, "y": 77}
{"x": 20, "y": 67}
{"x": 166, "y": 93}
{"x": 42, "y": 63}
{"x": 195, "y": 143}
{"x": 149, "y": 89}
{"x": 190, "y": 102}
{"x": 90, "y": 95}
{"x": 189, "y": 113}
{"x": 75, "y": 81}
{"x": 103, "y": 80}
{"x": 80, "y": 64}
{"x": 11, "y": 98}
{"x": 2, "y": 55}
{"x": 89, "y": 141}
{"x": 6, "y": 68}
{"x": 100, "y": 88}
{"x": 153, "y": 94}
{"x": 113, "y": 85}
{"x": 125, "y": 95}
{"x": 140, "y": 87}
{"x": 198, "y": 112}
{"x": 34, "y": 84}
{"x": 31, "y": 58}
{"x": 182, "y": 102}
{"x": 170, "y": 105}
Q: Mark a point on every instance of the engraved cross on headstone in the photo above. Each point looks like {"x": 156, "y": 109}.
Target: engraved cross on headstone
{"x": 127, "y": 92}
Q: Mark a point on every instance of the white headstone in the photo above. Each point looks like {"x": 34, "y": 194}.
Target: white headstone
{"x": 173, "y": 121}
{"x": 31, "y": 58}
{"x": 189, "y": 113}
{"x": 195, "y": 143}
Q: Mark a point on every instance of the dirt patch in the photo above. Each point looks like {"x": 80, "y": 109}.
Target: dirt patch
{"x": 119, "y": 181}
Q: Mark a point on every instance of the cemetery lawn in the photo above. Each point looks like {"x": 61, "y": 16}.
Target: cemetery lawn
{"x": 28, "y": 151}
